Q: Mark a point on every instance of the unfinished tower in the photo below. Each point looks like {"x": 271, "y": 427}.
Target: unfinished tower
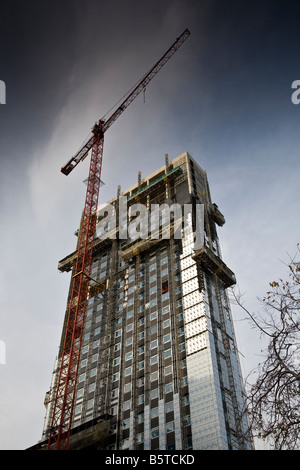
{"x": 159, "y": 366}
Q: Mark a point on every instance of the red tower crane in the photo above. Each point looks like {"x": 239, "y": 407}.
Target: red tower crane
{"x": 68, "y": 368}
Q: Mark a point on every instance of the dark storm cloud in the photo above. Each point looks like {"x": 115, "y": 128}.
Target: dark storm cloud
{"x": 225, "y": 98}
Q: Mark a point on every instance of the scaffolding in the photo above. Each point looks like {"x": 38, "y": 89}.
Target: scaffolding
{"x": 189, "y": 330}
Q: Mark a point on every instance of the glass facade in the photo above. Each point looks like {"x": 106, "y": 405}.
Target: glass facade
{"x": 158, "y": 358}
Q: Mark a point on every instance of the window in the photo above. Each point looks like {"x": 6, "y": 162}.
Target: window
{"x": 186, "y": 400}
{"x": 128, "y": 371}
{"x": 164, "y": 287}
{"x": 153, "y": 316}
{"x": 126, "y": 423}
{"x": 127, "y": 388}
{"x": 141, "y": 399}
{"x": 153, "y": 344}
{"x": 154, "y": 393}
{"x": 153, "y": 329}
{"x": 154, "y": 359}
{"x": 167, "y": 338}
{"x": 118, "y": 333}
{"x": 169, "y": 407}
{"x": 116, "y": 376}
{"x": 140, "y": 437}
{"x": 127, "y": 405}
{"x": 118, "y": 320}
{"x": 165, "y": 296}
{"x": 81, "y": 378}
{"x": 129, "y": 327}
{"x": 187, "y": 420}
{"x": 93, "y": 372}
{"x": 153, "y": 290}
{"x": 153, "y": 278}
{"x": 141, "y": 365}
{"x": 153, "y": 302}
{"x": 170, "y": 426}
{"x": 83, "y": 362}
{"x": 171, "y": 447}
{"x": 189, "y": 442}
{"x": 116, "y": 361}
{"x": 184, "y": 381}
{"x": 128, "y": 356}
{"x": 141, "y": 349}
{"x": 129, "y": 341}
{"x": 90, "y": 404}
{"x": 94, "y": 357}
{"x": 166, "y": 309}
{"x": 78, "y": 409}
{"x": 140, "y": 418}
{"x": 125, "y": 444}
{"x": 168, "y": 370}
{"x": 154, "y": 413}
{"x": 169, "y": 388}
{"x": 154, "y": 433}
{"x": 154, "y": 376}
{"x": 118, "y": 347}
{"x": 141, "y": 381}
{"x": 167, "y": 353}
{"x": 166, "y": 323}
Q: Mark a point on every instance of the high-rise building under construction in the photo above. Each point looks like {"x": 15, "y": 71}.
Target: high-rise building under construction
{"x": 159, "y": 366}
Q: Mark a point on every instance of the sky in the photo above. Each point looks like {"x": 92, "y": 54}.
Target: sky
{"x": 225, "y": 97}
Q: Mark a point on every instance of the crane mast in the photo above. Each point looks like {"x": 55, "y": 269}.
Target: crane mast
{"x": 68, "y": 362}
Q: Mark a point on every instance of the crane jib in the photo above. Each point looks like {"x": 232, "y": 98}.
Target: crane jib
{"x": 81, "y": 154}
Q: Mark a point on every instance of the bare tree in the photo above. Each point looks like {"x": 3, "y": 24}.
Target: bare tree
{"x": 273, "y": 397}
